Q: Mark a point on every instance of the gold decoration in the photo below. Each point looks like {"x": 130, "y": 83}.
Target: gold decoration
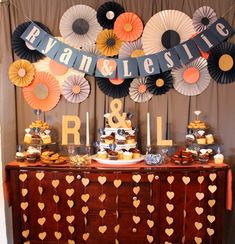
{"x": 24, "y": 192}
{"x": 198, "y": 240}
{"x": 200, "y": 179}
{"x": 150, "y": 238}
{"x": 102, "y": 179}
{"x": 136, "y": 178}
{"x": 211, "y": 202}
{"x": 136, "y": 190}
{"x": 25, "y": 233}
{"x": 56, "y": 198}
{"x": 102, "y": 213}
{"x": 40, "y": 190}
{"x": 71, "y": 242}
{"x": 55, "y": 183}
{"x": 23, "y": 177}
{"x": 25, "y": 218}
{"x": 199, "y": 210}
{"x": 85, "y": 209}
{"x": 102, "y": 229}
{"x": 24, "y": 205}
{"x": 170, "y": 194}
{"x": 212, "y": 176}
{"x": 116, "y": 228}
{"x": 169, "y": 231}
{"x": 69, "y": 178}
{"x": 70, "y": 218}
{"x": 116, "y": 106}
{"x": 85, "y": 181}
{"x": 70, "y": 192}
{"x": 169, "y": 220}
{"x": 160, "y": 141}
{"x": 226, "y": 62}
{"x": 136, "y": 203}
{"x": 117, "y": 183}
{"x": 42, "y": 220}
{"x": 186, "y": 180}
{"x": 40, "y": 176}
{"x": 85, "y": 197}
{"x": 57, "y": 217}
{"x": 198, "y": 225}
{"x": 58, "y": 235}
{"x": 200, "y": 195}
{"x": 42, "y": 235}
{"x": 150, "y": 208}
{"x": 102, "y": 197}
{"x": 85, "y": 236}
{"x": 211, "y": 218}
{"x": 150, "y": 177}
{"x": 169, "y": 207}
{"x": 70, "y": 203}
{"x": 136, "y": 219}
{"x": 170, "y": 179}
{"x": 210, "y": 231}
{"x": 150, "y": 223}
{"x": 212, "y": 188}
{"x": 71, "y": 229}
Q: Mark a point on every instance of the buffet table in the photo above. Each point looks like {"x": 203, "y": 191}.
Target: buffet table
{"x": 109, "y": 204}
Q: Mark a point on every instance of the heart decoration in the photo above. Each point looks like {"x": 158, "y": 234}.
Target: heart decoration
{"x": 70, "y": 203}
{"x": 136, "y": 203}
{"x": 150, "y": 208}
{"x": 116, "y": 241}
{"x": 71, "y": 242}
{"x": 55, "y": 183}
{"x": 117, "y": 183}
{"x": 27, "y": 242}
{"x": 102, "y": 213}
{"x": 40, "y": 190}
{"x": 25, "y": 233}
{"x": 85, "y": 197}
{"x": 200, "y": 195}
{"x": 150, "y": 238}
{"x": 212, "y": 188}
{"x": 102, "y": 229}
{"x": 102, "y": 197}
{"x": 169, "y": 220}
{"x": 24, "y": 192}
{"x": 102, "y": 179}
{"x": 42, "y": 235}
{"x": 136, "y": 190}
{"x": 56, "y": 198}
{"x": 23, "y": 177}
{"x": 70, "y": 218}
{"x": 170, "y": 194}
{"x": 110, "y": 64}
{"x": 136, "y": 219}
{"x": 25, "y": 218}
{"x": 85, "y": 210}
{"x": 166, "y": 242}
{"x": 150, "y": 177}
{"x": 58, "y": 235}
{"x": 150, "y": 223}
{"x": 24, "y": 205}
{"x": 169, "y": 231}
{"x": 198, "y": 225}
{"x": 116, "y": 228}
{"x": 69, "y": 178}
{"x": 40, "y": 176}
{"x": 183, "y": 239}
{"x": 71, "y": 229}
{"x": 85, "y": 236}
{"x": 170, "y": 179}
{"x": 42, "y": 220}
{"x": 57, "y": 217}
{"x": 169, "y": 207}
{"x": 211, "y": 218}
{"x": 199, "y": 210}
{"x": 85, "y": 181}
{"x": 198, "y": 240}
{"x": 212, "y": 176}
{"x": 210, "y": 231}
{"x": 70, "y": 192}
{"x": 211, "y": 202}
{"x": 186, "y": 180}
{"x": 136, "y": 178}
{"x": 200, "y": 179}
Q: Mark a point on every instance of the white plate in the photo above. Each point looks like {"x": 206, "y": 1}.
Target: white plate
{"x": 118, "y": 162}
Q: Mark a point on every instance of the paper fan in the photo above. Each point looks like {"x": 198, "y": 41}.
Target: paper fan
{"x": 203, "y": 17}
{"x": 43, "y": 93}
{"x": 107, "y": 13}
{"x": 76, "y": 89}
{"x": 138, "y": 90}
{"x": 79, "y": 25}
{"x": 21, "y": 73}
{"x": 165, "y": 30}
{"x": 221, "y": 63}
{"x": 107, "y": 43}
{"x": 91, "y": 49}
{"x": 131, "y": 49}
{"x": 128, "y": 27}
{"x": 193, "y": 78}
{"x": 22, "y": 49}
{"x": 160, "y": 83}
{"x": 115, "y": 88}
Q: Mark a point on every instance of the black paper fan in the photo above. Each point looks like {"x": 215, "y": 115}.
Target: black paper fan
{"x": 160, "y": 83}
{"x": 107, "y": 13}
{"x": 221, "y": 63}
{"x": 23, "y": 50}
{"x": 115, "y": 88}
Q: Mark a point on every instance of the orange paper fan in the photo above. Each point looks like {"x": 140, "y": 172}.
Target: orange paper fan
{"x": 43, "y": 93}
{"x": 128, "y": 27}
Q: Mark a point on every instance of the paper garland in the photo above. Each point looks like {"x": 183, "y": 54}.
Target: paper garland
{"x": 136, "y": 202}
{"x": 102, "y": 228}
{"x": 131, "y": 50}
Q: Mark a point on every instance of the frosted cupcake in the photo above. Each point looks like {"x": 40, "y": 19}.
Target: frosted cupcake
{"x": 102, "y": 154}
{"x": 127, "y": 155}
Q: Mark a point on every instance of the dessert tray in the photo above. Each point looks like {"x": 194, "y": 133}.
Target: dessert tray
{"x": 118, "y": 162}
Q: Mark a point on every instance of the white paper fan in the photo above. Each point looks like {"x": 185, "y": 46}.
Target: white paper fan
{"x": 131, "y": 49}
{"x": 191, "y": 79}
{"x": 91, "y": 49}
{"x": 138, "y": 90}
{"x": 166, "y": 29}
{"x": 79, "y": 25}
{"x": 76, "y": 89}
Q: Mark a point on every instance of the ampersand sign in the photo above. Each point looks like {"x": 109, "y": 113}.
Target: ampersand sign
{"x": 116, "y": 106}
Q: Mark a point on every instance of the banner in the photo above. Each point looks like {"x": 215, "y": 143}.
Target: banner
{"x": 130, "y": 67}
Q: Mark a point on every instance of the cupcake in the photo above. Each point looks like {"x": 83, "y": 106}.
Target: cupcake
{"x": 109, "y": 140}
{"x": 36, "y": 139}
{"x": 20, "y": 157}
{"x": 130, "y": 139}
{"x": 120, "y": 140}
{"x": 136, "y": 153}
{"x": 102, "y": 154}
{"x": 33, "y": 154}
{"x": 219, "y": 158}
{"x": 113, "y": 155}
{"x": 127, "y": 155}
{"x": 120, "y": 155}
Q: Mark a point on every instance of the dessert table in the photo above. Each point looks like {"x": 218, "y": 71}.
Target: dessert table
{"x": 102, "y": 203}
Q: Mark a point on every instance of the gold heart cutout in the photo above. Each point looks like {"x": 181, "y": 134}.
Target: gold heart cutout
{"x": 56, "y": 198}
{"x": 186, "y": 180}
{"x": 25, "y": 233}
{"x": 169, "y": 207}
{"x": 58, "y": 235}
{"x": 200, "y": 179}
{"x": 25, "y": 218}
{"x": 42, "y": 235}
{"x": 116, "y": 228}
{"x": 41, "y": 205}
{"x": 85, "y": 181}
{"x": 69, "y": 178}
{"x": 85, "y": 210}
{"x": 40, "y": 176}
{"x": 150, "y": 177}
{"x": 102, "y": 179}
{"x": 211, "y": 202}
{"x": 149, "y": 238}
{"x": 23, "y": 177}
{"x": 198, "y": 240}
{"x": 150, "y": 223}
{"x": 200, "y": 195}
{"x": 210, "y": 231}
{"x": 150, "y": 208}
{"x": 136, "y": 219}
{"x": 27, "y": 242}
{"x": 117, "y": 183}
{"x": 116, "y": 241}
{"x": 212, "y": 188}
{"x": 169, "y": 220}
{"x": 212, "y": 176}
{"x": 136, "y": 190}
{"x": 170, "y": 179}
{"x": 102, "y": 229}
{"x": 70, "y": 192}
{"x": 70, "y": 203}
{"x": 71, "y": 242}
{"x": 71, "y": 229}
{"x": 169, "y": 231}
{"x": 170, "y": 194}
{"x": 199, "y": 210}
{"x": 24, "y": 205}
{"x": 136, "y": 203}
{"x": 70, "y": 218}
{"x": 85, "y": 236}
{"x": 24, "y": 192}
{"x": 102, "y": 213}
{"x": 136, "y": 178}
{"x": 42, "y": 220}
{"x": 85, "y": 197}
{"x": 57, "y": 217}
{"x": 55, "y": 183}
{"x": 211, "y": 218}
{"x": 102, "y": 197}
{"x": 40, "y": 190}
{"x": 198, "y": 225}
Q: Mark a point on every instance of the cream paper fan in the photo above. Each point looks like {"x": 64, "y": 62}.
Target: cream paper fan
{"x": 131, "y": 49}
{"x": 79, "y": 25}
{"x": 91, "y": 49}
{"x": 166, "y": 29}
{"x": 191, "y": 79}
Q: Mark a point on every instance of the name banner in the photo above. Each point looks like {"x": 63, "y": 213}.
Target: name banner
{"x": 130, "y": 67}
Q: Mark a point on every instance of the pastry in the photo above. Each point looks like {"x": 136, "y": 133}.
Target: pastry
{"x": 120, "y": 139}
{"x": 130, "y": 139}
{"x": 136, "y": 153}
{"x": 209, "y": 139}
{"x": 113, "y": 155}
{"x": 127, "y": 155}
{"x": 219, "y": 158}
{"x": 36, "y": 139}
{"x": 102, "y": 154}
{"x": 201, "y": 140}
{"x": 109, "y": 140}
{"x": 120, "y": 155}
{"x": 20, "y": 157}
